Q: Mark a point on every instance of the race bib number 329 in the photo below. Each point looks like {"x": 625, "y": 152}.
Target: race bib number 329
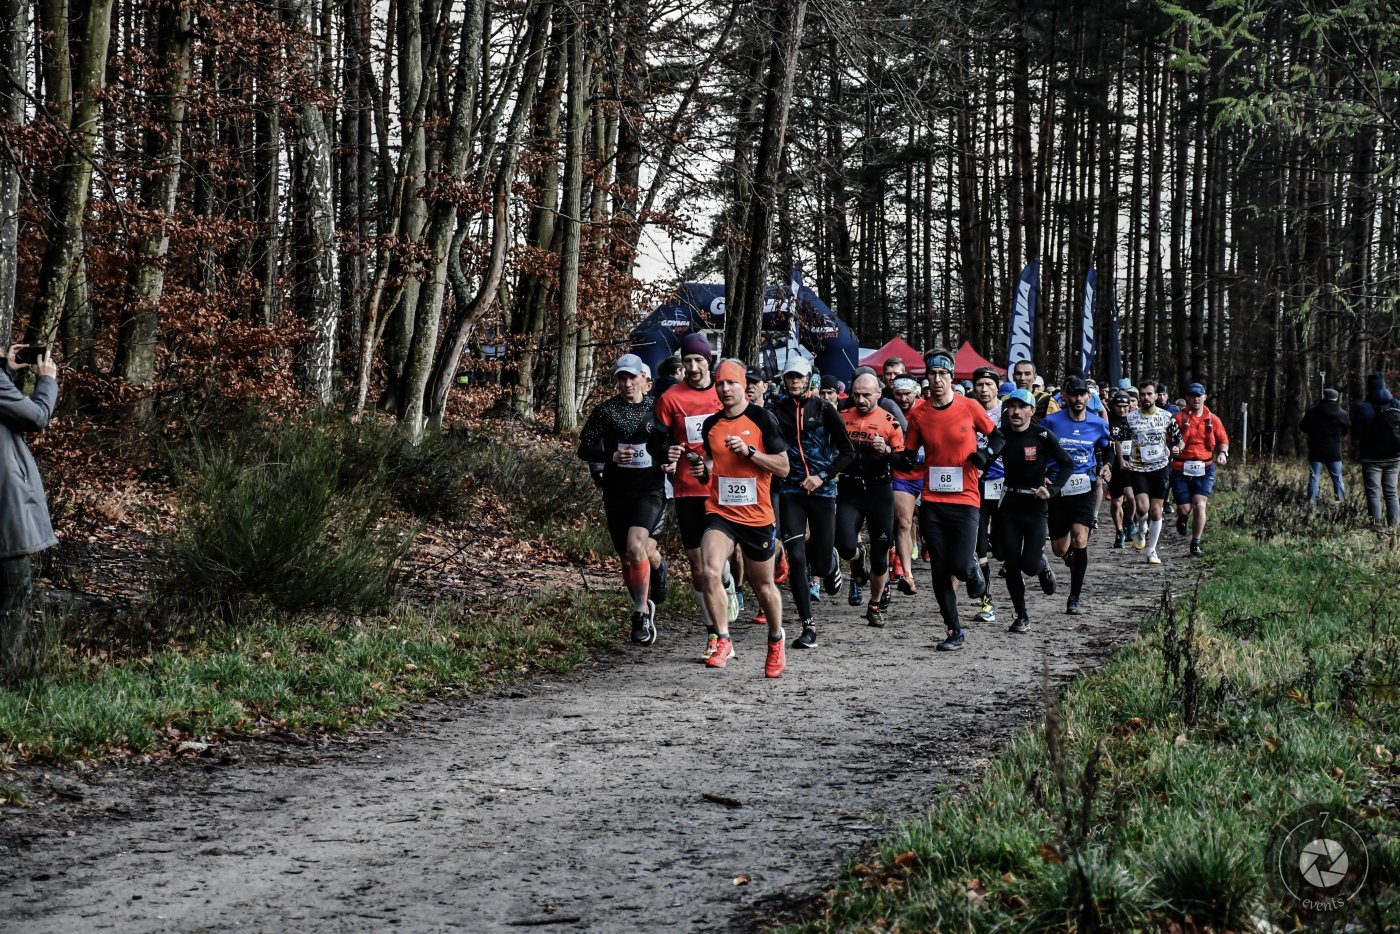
{"x": 738, "y": 491}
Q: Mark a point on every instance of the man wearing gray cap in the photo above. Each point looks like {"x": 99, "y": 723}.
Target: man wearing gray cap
{"x": 621, "y": 434}
{"x": 1325, "y": 424}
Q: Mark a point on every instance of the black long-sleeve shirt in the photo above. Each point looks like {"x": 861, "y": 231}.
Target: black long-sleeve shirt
{"x": 615, "y": 423}
{"x": 1027, "y": 455}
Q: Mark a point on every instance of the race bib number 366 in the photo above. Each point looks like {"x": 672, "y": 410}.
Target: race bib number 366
{"x": 945, "y": 479}
{"x": 738, "y": 491}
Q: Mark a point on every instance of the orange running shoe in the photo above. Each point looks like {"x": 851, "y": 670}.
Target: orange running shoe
{"x": 711, "y": 644}
{"x": 896, "y": 565}
{"x": 724, "y": 651}
{"x": 760, "y": 618}
{"x": 777, "y": 656}
{"x": 781, "y": 576}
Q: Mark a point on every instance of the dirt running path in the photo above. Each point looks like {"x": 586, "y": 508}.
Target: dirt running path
{"x": 576, "y": 800}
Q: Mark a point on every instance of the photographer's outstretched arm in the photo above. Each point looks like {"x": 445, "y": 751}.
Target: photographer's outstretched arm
{"x": 28, "y": 413}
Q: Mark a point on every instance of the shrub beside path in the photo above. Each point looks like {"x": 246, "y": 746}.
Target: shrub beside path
{"x": 645, "y": 793}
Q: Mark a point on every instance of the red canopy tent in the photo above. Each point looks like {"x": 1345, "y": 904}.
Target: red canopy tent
{"x": 966, "y": 362}
{"x": 897, "y": 347}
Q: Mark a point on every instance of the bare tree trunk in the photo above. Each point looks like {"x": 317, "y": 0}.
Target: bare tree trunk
{"x": 744, "y": 316}
{"x": 136, "y": 339}
{"x": 14, "y": 61}
{"x": 565, "y": 408}
{"x": 71, "y": 198}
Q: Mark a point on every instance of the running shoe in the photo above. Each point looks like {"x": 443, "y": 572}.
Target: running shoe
{"x": 776, "y": 662}
{"x": 875, "y": 615}
{"x": 1118, "y": 539}
{"x": 907, "y": 586}
{"x": 1152, "y": 558}
{"x": 780, "y": 576}
{"x": 814, "y": 588}
{"x": 860, "y": 567}
{"x": 833, "y": 581}
{"x": 952, "y": 643}
{"x": 643, "y": 628}
{"x": 977, "y": 583}
{"x": 711, "y": 644}
{"x": 1196, "y": 551}
{"x": 1047, "y": 579}
{"x": 924, "y": 557}
{"x": 760, "y": 618}
{"x": 808, "y": 639}
{"x": 1140, "y": 542}
{"x": 896, "y": 565}
{"x": 1073, "y": 608}
{"x": 885, "y": 598}
{"x": 1021, "y": 625}
{"x": 724, "y": 651}
{"x": 1181, "y": 523}
{"x": 854, "y": 596}
{"x": 987, "y": 613}
{"x": 660, "y": 583}
{"x": 735, "y": 602}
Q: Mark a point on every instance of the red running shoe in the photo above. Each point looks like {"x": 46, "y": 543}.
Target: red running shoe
{"x": 896, "y": 565}
{"x": 781, "y": 576}
{"x": 777, "y": 656}
{"x": 760, "y": 618}
{"x": 724, "y": 651}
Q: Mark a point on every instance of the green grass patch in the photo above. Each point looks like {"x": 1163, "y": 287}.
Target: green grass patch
{"x": 1147, "y": 799}
{"x": 307, "y": 674}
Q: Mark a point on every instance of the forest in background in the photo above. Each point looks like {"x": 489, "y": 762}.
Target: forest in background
{"x": 348, "y": 203}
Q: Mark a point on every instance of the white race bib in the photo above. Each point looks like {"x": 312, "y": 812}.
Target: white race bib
{"x": 640, "y": 457}
{"x": 1194, "y": 468}
{"x": 693, "y": 423}
{"x": 1127, "y": 449}
{"x": 995, "y": 489}
{"x": 738, "y": 491}
{"x": 1152, "y": 452}
{"x": 1077, "y": 484}
{"x": 945, "y": 479}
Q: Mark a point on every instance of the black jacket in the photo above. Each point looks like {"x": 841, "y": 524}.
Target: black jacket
{"x": 1325, "y": 424}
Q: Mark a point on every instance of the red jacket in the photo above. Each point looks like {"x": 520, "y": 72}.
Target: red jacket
{"x": 1200, "y": 436}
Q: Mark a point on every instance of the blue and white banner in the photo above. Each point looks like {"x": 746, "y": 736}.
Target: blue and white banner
{"x": 1021, "y": 338}
{"x": 794, "y": 322}
{"x": 1088, "y": 341}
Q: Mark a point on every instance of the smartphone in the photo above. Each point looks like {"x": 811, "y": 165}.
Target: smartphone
{"x": 30, "y": 355}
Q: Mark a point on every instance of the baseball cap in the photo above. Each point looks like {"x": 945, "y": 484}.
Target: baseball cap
{"x": 1074, "y": 386}
{"x": 796, "y": 363}
{"x": 1195, "y": 389}
{"x": 831, "y": 382}
{"x": 754, "y": 375}
{"x": 1122, "y": 398}
{"x": 1023, "y": 396}
{"x": 631, "y": 364}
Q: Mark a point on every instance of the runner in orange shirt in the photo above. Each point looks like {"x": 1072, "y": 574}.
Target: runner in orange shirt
{"x": 744, "y": 450}
{"x": 946, "y": 428}
{"x": 864, "y": 495}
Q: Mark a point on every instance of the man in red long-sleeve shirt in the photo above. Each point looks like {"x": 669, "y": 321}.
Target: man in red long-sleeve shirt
{"x": 1204, "y": 444}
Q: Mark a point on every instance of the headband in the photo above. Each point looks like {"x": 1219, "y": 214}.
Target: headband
{"x": 905, "y": 384}
{"x": 939, "y": 361}
{"x": 732, "y": 372}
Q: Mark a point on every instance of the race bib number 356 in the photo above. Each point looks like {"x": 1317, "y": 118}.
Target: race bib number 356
{"x": 945, "y": 479}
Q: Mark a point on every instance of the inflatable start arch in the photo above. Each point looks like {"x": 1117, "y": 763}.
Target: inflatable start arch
{"x": 699, "y": 306}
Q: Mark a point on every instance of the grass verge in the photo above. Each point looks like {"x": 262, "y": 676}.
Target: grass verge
{"x": 1149, "y": 798}
{"x": 307, "y": 674}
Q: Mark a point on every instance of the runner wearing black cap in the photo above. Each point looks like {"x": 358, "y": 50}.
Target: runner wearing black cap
{"x": 1204, "y": 444}
{"x": 1122, "y": 505}
{"x": 985, "y": 383}
{"x": 1085, "y": 438}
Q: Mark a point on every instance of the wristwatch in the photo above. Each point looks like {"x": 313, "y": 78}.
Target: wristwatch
{"x": 752, "y": 451}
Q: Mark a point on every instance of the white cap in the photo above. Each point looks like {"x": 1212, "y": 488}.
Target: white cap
{"x": 632, "y": 365}
{"x": 796, "y": 363}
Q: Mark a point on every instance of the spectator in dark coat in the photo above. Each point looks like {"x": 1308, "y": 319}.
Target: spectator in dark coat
{"x": 1325, "y": 424}
{"x": 25, "y": 529}
{"x": 1373, "y": 425}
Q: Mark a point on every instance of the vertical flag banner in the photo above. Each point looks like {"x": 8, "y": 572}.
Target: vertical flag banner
{"x": 1021, "y": 338}
{"x": 1088, "y": 342}
{"x": 794, "y": 327}
{"x": 1115, "y": 354}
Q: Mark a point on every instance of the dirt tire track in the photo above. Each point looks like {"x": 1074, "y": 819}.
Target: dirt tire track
{"x": 576, "y": 797}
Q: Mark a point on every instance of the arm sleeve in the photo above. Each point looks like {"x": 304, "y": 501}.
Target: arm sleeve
{"x": 840, "y": 440}
{"x": 908, "y": 459}
{"x": 26, "y": 413}
{"x": 894, "y": 437}
{"x": 591, "y": 439}
{"x": 889, "y": 405}
{"x": 1057, "y": 453}
{"x": 773, "y": 442}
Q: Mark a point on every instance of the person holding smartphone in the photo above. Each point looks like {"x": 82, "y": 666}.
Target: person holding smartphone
{"x": 25, "y": 529}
